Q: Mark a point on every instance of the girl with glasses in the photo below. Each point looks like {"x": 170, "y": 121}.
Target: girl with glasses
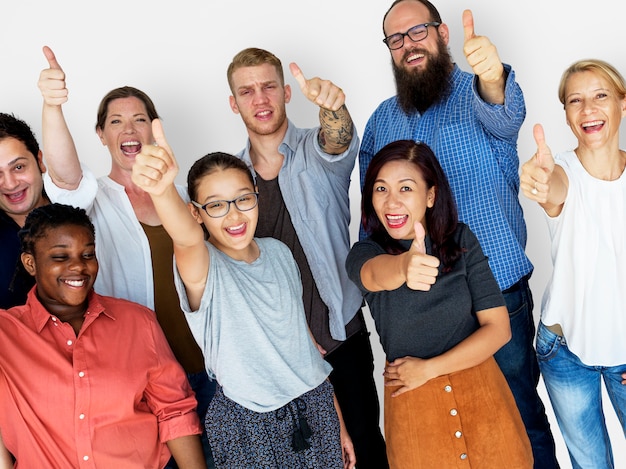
{"x": 242, "y": 296}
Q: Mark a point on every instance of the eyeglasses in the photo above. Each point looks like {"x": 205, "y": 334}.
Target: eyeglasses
{"x": 416, "y": 34}
{"x": 219, "y": 208}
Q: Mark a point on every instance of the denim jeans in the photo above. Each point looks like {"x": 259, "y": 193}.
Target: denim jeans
{"x": 205, "y": 390}
{"x": 576, "y": 395}
{"x": 518, "y": 362}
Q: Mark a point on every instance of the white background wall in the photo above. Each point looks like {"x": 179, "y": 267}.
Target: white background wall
{"x": 178, "y": 52}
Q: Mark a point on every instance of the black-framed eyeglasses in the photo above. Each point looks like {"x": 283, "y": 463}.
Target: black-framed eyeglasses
{"x": 416, "y": 34}
{"x": 219, "y": 208}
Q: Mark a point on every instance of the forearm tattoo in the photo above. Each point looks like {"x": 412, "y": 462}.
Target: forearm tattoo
{"x": 336, "y": 130}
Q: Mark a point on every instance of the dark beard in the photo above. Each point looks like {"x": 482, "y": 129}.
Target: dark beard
{"x": 417, "y": 90}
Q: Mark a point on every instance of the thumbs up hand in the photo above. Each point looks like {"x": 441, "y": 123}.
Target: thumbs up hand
{"x": 480, "y": 53}
{"x": 52, "y": 81}
{"x": 155, "y": 167}
{"x": 324, "y": 93}
{"x": 537, "y": 172}
{"x": 421, "y": 268}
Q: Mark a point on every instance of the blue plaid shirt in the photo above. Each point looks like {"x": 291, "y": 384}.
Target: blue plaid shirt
{"x": 476, "y": 144}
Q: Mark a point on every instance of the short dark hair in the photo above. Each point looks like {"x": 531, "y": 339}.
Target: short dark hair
{"x": 441, "y": 218}
{"x": 124, "y": 92}
{"x": 50, "y": 216}
{"x": 13, "y": 127}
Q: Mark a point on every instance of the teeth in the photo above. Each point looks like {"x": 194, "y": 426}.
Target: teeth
{"x": 75, "y": 283}
{"x": 414, "y": 57}
{"x": 126, "y": 144}
{"x": 263, "y": 113}
{"x": 15, "y": 195}
{"x": 236, "y": 228}
{"x": 592, "y": 124}
{"x": 395, "y": 217}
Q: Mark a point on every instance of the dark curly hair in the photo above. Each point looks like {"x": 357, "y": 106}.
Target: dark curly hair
{"x": 40, "y": 220}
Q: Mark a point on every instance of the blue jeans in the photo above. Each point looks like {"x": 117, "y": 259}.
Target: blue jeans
{"x": 518, "y": 362}
{"x": 576, "y": 395}
{"x": 205, "y": 390}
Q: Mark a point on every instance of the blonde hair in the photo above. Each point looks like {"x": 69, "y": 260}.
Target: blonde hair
{"x": 252, "y": 57}
{"x": 600, "y": 67}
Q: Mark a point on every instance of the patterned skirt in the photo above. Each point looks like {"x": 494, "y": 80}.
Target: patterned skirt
{"x": 466, "y": 419}
{"x": 302, "y": 434}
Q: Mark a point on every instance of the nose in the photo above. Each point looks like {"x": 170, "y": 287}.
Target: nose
{"x": 393, "y": 200}
{"x": 260, "y": 97}
{"x": 588, "y": 106}
{"x": 129, "y": 127}
{"x": 76, "y": 264}
{"x": 8, "y": 181}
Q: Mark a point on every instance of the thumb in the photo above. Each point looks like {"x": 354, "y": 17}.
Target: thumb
{"x": 51, "y": 58}
{"x": 468, "y": 25}
{"x": 418, "y": 242}
{"x": 298, "y": 75}
{"x": 159, "y": 137}
{"x": 544, "y": 155}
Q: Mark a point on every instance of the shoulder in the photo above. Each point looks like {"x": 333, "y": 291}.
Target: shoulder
{"x": 272, "y": 245}
{"x": 122, "y": 309}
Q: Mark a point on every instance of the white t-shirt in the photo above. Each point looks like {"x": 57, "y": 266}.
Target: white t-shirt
{"x": 587, "y": 292}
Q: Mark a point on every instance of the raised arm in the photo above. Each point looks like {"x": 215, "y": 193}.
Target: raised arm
{"x": 337, "y": 129}
{"x": 58, "y": 146}
{"x": 483, "y": 57}
{"x": 154, "y": 171}
{"x": 414, "y": 267}
{"x": 543, "y": 181}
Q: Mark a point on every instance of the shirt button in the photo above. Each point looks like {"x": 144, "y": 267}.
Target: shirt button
{"x": 453, "y": 412}
{"x": 463, "y": 456}
{"x": 458, "y": 434}
{"x": 448, "y": 388}
{"x": 54, "y": 319}
{"x": 81, "y": 416}
{"x": 85, "y": 458}
{"x": 81, "y": 374}
{"x": 69, "y": 342}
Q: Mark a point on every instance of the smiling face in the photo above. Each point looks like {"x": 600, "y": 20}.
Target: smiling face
{"x": 400, "y": 198}
{"x": 233, "y": 233}
{"x": 414, "y": 55}
{"x": 21, "y": 184}
{"x": 64, "y": 265}
{"x": 593, "y": 109}
{"x": 126, "y": 129}
{"x": 260, "y": 97}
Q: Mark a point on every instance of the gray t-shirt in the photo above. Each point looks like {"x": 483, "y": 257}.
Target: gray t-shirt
{"x": 252, "y": 329}
{"x": 426, "y": 324}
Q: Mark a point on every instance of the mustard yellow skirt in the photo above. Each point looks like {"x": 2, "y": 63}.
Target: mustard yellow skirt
{"x": 467, "y": 419}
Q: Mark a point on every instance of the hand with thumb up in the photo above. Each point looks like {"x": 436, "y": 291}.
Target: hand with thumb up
{"x": 421, "y": 268}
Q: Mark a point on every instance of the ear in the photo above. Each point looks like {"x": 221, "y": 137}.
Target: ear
{"x": 431, "y": 196}
{"x": 233, "y": 104}
{"x": 195, "y": 213}
{"x": 40, "y": 163}
{"x": 624, "y": 106}
{"x": 101, "y": 135}
{"x": 444, "y": 32}
{"x": 28, "y": 260}
{"x": 287, "y": 89}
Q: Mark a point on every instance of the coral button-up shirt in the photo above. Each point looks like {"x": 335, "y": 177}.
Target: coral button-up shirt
{"x": 110, "y": 397}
